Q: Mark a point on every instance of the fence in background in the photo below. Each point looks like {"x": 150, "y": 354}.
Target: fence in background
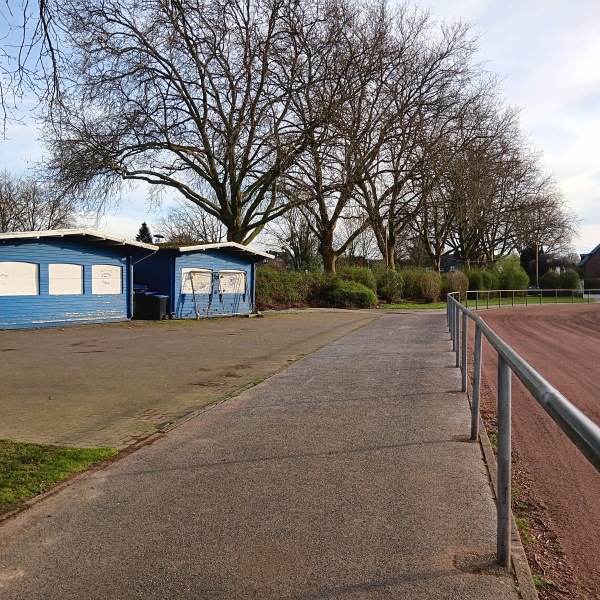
{"x": 582, "y": 431}
{"x": 531, "y": 296}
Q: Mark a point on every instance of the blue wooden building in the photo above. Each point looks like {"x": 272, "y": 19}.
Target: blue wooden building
{"x": 66, "y": 276}
{"x": 203, "y": 280}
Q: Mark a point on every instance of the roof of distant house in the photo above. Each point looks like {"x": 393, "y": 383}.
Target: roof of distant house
{"x": 585, "y": 257}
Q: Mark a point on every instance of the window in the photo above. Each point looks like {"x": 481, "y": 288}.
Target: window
{"x": 65, "y": 279}
{"x": 19, "y": 279}
{"x": 198, "y": 281}
{"x": 106, "y": 279}
{"x": 232, "y": 282}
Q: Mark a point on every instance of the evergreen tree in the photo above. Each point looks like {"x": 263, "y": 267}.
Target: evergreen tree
{"x": 143, "y": 234}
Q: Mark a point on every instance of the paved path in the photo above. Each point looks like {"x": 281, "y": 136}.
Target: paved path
{"x": 346, "y": 476}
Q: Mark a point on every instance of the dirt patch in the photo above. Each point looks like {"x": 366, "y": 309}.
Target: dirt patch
{"x": 114, "y": 384}
{"x": 558, "y": 490}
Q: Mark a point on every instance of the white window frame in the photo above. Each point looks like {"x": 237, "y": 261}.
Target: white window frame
{"x": 65, "y": 279}
{"x": 19, "y": 278}
{"x": 107, "y": 279}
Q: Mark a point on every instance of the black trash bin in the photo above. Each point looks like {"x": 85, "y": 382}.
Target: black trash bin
{"x": 150, "y": 306}
{"x": 156, "y": 306}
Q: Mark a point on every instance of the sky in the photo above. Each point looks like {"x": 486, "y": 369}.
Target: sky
{"x": 547, "y": 53}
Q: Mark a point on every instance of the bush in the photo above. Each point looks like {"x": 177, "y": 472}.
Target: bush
{"x": 454, "y": 282}
{"x": 348, "y": 294}
{"x": 411, "y": 278}
{"x": 511, "y": 275}
{"x": 431, "y": 286}
{"x": 490, "y": 280}
{"x": 550, "y": 280}
{"x": 361, "y": 275}
{"x": 475, "y": 279}
{"x": 390, "y": 285}
{"x": 420, "y": 284}
{"x": 569, "y": 280}
{"x": 277, "y": 289}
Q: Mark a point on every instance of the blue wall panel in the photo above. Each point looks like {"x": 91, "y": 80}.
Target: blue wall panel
{"x": 211, "y": 304}
{"x": 45, "y": 309}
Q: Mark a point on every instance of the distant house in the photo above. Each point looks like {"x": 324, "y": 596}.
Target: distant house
{"x": 591, "y": 263}
{"x": 202, "y": 280}
{"x": 450, "y": 262}
{"x": 66, "y": 276}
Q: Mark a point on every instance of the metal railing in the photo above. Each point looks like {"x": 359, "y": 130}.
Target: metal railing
{"x": 582, "y": 431}
{"x": 531, "y": 296}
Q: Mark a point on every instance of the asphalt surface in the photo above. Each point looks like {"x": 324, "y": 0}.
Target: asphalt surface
{"x": 347, "y": 475}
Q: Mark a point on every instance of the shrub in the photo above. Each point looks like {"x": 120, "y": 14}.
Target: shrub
{"x": 361, "y": 275}
{"x": 454, "y": 282}
{"x": 431, "y": 286}
{"x": 348, "y": 294}
{"x": 569, "y": 280}
{"x": 420, "y": 284}
{"x": 475, "y": 279}
{"x": 390, "y": 285}
{"x": 511, "y": 275}
{"x": 411, "y": 278}
{"x": 550, "y": 280}
{"x": 277, "y": 289}
{"x": 487, "y": 280}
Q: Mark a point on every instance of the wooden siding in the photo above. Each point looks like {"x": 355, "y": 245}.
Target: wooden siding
{"x": 46, "y": 309}
{"x": 213, "y": 304}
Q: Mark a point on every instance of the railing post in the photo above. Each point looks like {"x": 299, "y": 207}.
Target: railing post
{"x": 452, "y": 331}
{"x": 457, "y": 334}
{"x": 465, "y": 331}
{"x": 504, "y": 451}
{"x": 476, "y": 385}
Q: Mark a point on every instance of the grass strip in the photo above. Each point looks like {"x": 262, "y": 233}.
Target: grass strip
{"x": 27, "y": 470}
{"x": 416, "y": 305}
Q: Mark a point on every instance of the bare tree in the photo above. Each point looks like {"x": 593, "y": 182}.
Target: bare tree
{"x": 193, "y": 96}
{"x": 30, "y": 205}
{"x": 426, "y": 87}
{"x": 352, "y": 62}
{"x": 187, "y": 223}
{"x": 292, "y": 234}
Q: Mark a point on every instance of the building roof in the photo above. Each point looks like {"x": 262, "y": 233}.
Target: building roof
{"x": 585, "y": 257}
{"x": 89, "y": 233}
{"x": 234, "y": 246}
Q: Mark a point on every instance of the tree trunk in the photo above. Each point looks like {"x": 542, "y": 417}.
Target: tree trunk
{"x": 390, "y": 247}
{"x": 327, "y": 252}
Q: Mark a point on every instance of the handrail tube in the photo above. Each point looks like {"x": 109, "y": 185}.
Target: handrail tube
{"x": 584, "y": 433}
{"x": 580, "y": 429}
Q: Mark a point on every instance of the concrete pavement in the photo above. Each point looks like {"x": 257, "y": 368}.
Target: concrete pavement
{"x": 347, "y": 475}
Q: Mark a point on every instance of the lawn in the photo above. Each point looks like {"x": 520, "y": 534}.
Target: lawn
{"x": 27, "y": 470}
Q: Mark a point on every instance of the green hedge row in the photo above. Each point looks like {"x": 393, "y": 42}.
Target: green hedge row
{"x": 360, "y": 287}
